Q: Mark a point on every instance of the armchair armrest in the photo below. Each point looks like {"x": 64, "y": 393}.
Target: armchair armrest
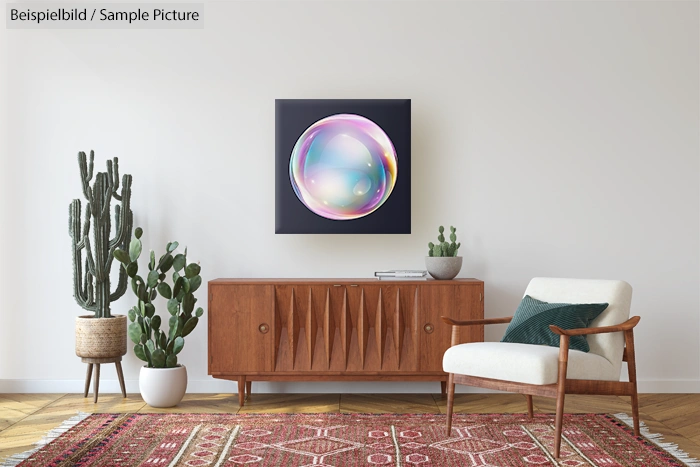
{"x": 626, "y": 326}
{"x": 476, "y": 322}
{"x": 471, "y": 322}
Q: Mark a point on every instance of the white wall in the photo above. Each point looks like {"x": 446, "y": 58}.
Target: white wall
{"x": 561, "y": 138}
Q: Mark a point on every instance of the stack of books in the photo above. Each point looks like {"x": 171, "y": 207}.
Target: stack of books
{"x": 402, "y": 274}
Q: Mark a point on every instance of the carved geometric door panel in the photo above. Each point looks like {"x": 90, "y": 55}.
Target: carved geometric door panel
{"x": 355, "y": 328}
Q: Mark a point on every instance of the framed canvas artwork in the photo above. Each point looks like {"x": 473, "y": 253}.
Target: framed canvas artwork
{"x": 343, "y": 166}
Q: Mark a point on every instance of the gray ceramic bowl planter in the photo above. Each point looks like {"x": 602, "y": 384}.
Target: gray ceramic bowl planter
{"x": 443, "y": 268}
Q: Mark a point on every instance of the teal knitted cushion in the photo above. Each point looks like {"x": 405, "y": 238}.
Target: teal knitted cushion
{"x": 530, "y": 324}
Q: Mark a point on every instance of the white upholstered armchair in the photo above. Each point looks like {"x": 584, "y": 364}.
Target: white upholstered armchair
{"x": 549, "y": 371}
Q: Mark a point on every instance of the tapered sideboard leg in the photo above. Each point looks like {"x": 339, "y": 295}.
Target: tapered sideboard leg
{"x": 241, "y": 390}
{"x": 248, "y": 389}
{"x": 443, "y": 387}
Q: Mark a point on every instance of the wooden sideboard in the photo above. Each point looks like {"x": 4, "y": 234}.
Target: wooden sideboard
{"x": 336, "y": 329}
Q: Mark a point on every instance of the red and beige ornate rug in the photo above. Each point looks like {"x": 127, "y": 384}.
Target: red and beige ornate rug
{"x": 346, "y": 440}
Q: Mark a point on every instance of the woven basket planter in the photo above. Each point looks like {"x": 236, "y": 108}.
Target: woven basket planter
{"x": 100, "y": 337}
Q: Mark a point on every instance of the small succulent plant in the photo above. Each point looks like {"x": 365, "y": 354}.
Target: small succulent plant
{"x": 443, "y": 248}
{"x": 154, "y": 345}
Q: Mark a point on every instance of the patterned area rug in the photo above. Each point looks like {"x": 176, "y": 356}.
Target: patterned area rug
{"x": 346, "y": 440}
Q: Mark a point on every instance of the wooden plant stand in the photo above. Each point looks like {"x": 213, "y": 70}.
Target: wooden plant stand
{"x": 96, "y": 362}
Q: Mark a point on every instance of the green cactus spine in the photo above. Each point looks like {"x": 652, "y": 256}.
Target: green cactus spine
{"x": 155, "y": 346}
{"x": 91, "y": 285}
{"x": 443, "y": 248}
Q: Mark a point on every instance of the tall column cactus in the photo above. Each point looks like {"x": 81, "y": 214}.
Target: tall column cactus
{"x": 91, "y": 285}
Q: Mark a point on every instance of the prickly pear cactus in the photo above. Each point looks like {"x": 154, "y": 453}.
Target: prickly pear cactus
{"x": 443, "y": 248}
{"x": 154, "y": 345}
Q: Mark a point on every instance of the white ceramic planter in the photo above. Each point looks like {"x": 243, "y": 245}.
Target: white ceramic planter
{"x": 163, "y": 387}
{"x": 443, "y": 268}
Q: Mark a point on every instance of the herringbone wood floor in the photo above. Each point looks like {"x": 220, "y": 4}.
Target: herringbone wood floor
{"x": 25, "y": 418}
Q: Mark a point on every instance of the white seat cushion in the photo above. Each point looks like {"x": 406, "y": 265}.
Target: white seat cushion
{"x": 524, "y": 363}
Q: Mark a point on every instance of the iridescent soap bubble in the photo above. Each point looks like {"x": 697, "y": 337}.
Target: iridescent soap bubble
{"x": 343, "y": 167}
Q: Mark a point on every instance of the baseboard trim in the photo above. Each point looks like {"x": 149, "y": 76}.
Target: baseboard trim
{"x": 215, "y": 386}
{"x": 669, "y": 386}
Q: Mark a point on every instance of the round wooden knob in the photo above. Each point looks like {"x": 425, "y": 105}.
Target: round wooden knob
{"x": 429, "y": 328}
{"x": 263, "y": 328}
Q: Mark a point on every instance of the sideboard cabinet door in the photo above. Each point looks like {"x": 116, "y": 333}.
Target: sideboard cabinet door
{"x": 461, "y": 302}
{"x": 241, "y": 328}
{"x": 470, "y": 305}
{"x": 435, "y": 301}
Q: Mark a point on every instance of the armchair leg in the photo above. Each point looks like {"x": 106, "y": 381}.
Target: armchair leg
{"x": 450, "y": 402}
{"x": 635, "y": 413}
{"x": 530, "y": 411}
{"x": 561, "y": 392}
{"x": 632, "y": 373}
{"x": 559, "y": 422}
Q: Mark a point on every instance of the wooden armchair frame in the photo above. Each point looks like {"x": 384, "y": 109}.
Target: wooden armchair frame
{"x": 563, "y": 385}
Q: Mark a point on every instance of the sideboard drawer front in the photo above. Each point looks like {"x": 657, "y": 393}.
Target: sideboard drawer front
{"x": 241, "y": 328}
